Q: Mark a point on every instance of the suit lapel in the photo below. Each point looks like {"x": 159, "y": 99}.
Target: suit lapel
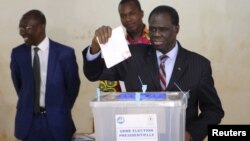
{"x": 51, "y": 63}
{"x": 28, "y": 71}
{"x": 179, "y": 68}
{"x": 151, "y": 58}
{"x": 27, "y": 62}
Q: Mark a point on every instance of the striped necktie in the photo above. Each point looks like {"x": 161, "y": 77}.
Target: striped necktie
{"x": 163, "y": 81}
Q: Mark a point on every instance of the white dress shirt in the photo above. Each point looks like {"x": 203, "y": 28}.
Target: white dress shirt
{"x": 43, "y": 54}
{"x": 169, "y": 63}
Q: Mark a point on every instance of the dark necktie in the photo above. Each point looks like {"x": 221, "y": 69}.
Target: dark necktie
{"x": 163, "y": 81}
{"x": 37, "y": 78}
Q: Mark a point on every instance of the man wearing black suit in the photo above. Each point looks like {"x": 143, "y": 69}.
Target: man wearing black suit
{"x": 189, "y": 70}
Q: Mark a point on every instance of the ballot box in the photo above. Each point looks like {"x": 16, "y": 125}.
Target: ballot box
{"x": 135, "y": 116}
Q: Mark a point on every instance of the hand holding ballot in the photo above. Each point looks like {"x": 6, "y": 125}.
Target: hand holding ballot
{"x": 103, "y": 34}
{"x": 112, "y": 43}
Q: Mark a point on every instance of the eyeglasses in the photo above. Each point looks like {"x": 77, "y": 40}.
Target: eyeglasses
{"x": 25, "y": 28}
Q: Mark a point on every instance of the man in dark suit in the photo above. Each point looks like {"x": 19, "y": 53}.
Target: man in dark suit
{"x": 58, "y": 85}
{"x": 189, "y": 70}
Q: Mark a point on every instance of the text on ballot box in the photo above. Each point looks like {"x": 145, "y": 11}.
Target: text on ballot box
{"x": 136, "y": 127}
{"x": 156, "y": 116}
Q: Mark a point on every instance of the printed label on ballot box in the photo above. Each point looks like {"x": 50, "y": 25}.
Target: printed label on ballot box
{"x": 136, "y": 127}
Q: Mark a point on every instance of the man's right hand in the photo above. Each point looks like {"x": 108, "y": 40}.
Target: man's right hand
{"x": 103, "y": 34}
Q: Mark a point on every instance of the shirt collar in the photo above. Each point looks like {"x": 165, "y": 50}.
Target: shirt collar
{"x": 171, "y": 54}
{"x": 43, "y": 45}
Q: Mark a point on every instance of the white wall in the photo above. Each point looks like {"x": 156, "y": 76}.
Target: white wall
{"x": 216, "y": 29}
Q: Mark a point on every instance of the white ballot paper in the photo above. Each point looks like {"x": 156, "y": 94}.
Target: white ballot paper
{"x": 116, "y": 49}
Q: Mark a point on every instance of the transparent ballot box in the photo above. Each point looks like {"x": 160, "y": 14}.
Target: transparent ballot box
{"x": 133, "y": 116}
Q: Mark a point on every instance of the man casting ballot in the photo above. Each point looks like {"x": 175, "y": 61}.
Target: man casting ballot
{"x": 160, "y": 66}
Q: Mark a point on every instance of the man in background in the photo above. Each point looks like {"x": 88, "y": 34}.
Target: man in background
{"x": 131, "y": 16}
{"x": 46, "y": 80}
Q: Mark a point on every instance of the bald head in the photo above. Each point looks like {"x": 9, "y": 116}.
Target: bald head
{"x": 36, "y": 15}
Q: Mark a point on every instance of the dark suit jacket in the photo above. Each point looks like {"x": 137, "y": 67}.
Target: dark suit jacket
{"x": 191, "y": 72}
{"x": 62, "y": 88}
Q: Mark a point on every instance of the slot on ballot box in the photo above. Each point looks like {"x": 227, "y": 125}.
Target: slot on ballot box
{"x": 154, "y": 116}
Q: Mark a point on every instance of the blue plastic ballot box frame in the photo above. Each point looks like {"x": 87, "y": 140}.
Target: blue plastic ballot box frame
{"x": 169, "y": 108}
